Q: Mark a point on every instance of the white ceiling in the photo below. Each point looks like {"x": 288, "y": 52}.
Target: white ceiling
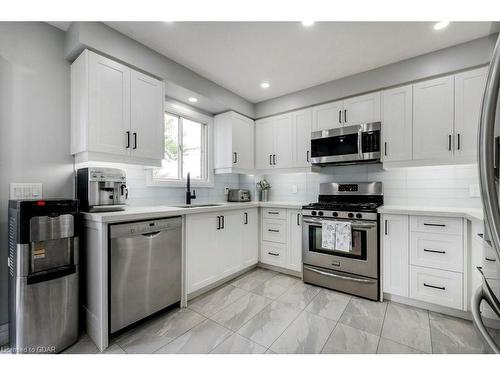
{"x": 240, "y": 55}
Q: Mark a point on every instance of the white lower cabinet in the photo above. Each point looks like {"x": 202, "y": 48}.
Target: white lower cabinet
{"x": 395, "y": 254}
{"x": 219, "y": 244}
{"x": 423, "y": 259}
{"x": 281, "y": 238}
{"x": 440, "y": 287}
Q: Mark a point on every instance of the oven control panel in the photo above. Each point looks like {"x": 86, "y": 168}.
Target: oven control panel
{"x": 340, "y": 214}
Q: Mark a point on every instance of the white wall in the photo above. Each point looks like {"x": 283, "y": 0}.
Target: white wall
{"x": 438, "y": 186}
{"x": 34, "y": 120}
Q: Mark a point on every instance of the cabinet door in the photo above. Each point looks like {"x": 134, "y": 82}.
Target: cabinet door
{"x": 327, "y": 116}
{"x": 202, "y": 254}
{"x": 362, "y": 109}
{"x": 264, "y": 143}
{"x": 109, "y": 106}
{"x": 250, "y": 237}
{"x": 469, "y": 89}
{"x": 294, "y": 219}
{"x": 395, "y": 254}
{"x": 433, "y": 119}
{"x": 283, "y": 142}
{"x": 147, "y": 116}
{"x": 397, "y": 122}
{"x": 230, "y": 255}
{"x": 302, "y": 134}
{"x": 243, "y": 141}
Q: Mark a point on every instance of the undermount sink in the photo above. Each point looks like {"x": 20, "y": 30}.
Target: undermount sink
{"x": 196, "y": 205}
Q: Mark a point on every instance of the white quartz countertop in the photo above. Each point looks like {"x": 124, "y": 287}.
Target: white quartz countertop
{"x": 468, "y": 213}
{"x": 150, "y": 212}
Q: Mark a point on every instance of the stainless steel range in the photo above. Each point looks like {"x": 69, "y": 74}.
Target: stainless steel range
{"x": 356, "y": 270}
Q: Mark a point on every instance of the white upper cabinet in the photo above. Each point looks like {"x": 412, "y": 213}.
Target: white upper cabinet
{"x": 433, "y": 114}
{"x": 116, "y": 112}
{"x": 146, "y": 112}
{"x": 109, "y": 105}
{"x": 264, "y": 143}
{"x": 395, "y": 254}
{"x": 469, "y": 89}
{"x": 302, "y": 137}
{"x": 283, "y": 142}
{"x": 362, "y": 109}
{"x": 397, "y": 120}
{"x": 234, "y": 143}
{"x": 274, "y": 142}
{"x": 327, "y": 116}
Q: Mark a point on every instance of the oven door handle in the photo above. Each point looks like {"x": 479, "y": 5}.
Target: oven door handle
{"x": 349, "y": 278}
{"x": 355, "y": 224}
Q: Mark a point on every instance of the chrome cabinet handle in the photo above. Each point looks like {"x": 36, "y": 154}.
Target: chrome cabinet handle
{"x": 449, "y": 142}
{"x": 435, "y": 251}
{"x": 434, "y": 225}
{"x": 274, "y": 254}
{"x": 458, "y": 141}
{"x": 434, "y": 286}
{"x": 128, "y": 139}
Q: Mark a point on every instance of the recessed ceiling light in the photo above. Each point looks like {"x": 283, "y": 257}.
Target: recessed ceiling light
{"x": 307, "y": 23}
{"x": 265, "y": 85}
{"x": 441, "y": 25}
{"x": 192, "y": 99}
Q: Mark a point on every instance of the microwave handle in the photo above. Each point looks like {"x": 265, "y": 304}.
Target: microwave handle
{"x": 360, "y": 144}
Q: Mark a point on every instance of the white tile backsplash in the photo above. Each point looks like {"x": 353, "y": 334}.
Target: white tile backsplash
{"x": 440, "y": 186}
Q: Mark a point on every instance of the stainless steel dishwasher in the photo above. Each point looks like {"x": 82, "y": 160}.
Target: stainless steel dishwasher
{"x": 145, "y": 269}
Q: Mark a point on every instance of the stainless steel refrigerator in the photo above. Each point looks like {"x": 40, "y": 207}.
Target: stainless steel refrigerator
{"x": 488, "y": 156}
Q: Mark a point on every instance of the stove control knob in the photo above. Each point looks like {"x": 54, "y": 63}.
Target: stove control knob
{"x": 359, "y": 216}
{"x": 350, "y": 214}
{"x": 335, "y": 214}
{"x": 320, "y": 213}
{"x": 313, "y": 213}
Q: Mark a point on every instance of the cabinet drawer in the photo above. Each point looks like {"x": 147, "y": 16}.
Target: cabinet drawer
{"x": 489, "y": 263}
{"x": 437, "y": 251}
{"x": 273, "y": 253}
{"x": 436, "y": 286}
{"x": 274, "y": 230}
{"x": 436, "y": 224}
{"x": 274, "y": 213}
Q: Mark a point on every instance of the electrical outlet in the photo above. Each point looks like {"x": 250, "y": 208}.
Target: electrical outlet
{"x": 226, "y": 190}
{"x": 474, "y": 190}
{"x": 25, "y": 190}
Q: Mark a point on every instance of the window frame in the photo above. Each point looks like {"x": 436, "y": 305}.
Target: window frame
{"x": 207, "y": 154}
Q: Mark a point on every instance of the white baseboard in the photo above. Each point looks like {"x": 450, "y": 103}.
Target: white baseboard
{"x": 4, "y": 334}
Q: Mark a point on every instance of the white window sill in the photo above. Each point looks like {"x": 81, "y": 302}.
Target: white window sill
{"x": 169, "y": 183}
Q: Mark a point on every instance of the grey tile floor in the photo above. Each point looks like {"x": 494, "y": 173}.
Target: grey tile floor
{"x": 266, "y": 312}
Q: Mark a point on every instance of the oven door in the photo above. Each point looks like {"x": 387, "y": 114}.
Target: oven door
{"x": 361, "y": 260}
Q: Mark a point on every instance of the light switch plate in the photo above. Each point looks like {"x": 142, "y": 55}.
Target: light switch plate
{"x": 25, "y": 190}
{"x": 474, "y": 190}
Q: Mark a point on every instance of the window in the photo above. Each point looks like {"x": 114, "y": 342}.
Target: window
{"x": 186, "y": 151}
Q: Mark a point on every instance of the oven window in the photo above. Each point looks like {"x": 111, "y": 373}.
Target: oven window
{"x": 358, "y": 248}
{"x": 333, "y": 146}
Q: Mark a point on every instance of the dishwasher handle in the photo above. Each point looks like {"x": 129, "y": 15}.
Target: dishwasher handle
{"x": 151, "y": 234}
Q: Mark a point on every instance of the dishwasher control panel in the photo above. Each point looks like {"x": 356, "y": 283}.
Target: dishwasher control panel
{"x": 143, "y": 227}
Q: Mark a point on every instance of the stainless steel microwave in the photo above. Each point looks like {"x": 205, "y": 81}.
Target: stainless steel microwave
{"x": 346, "y": 145}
